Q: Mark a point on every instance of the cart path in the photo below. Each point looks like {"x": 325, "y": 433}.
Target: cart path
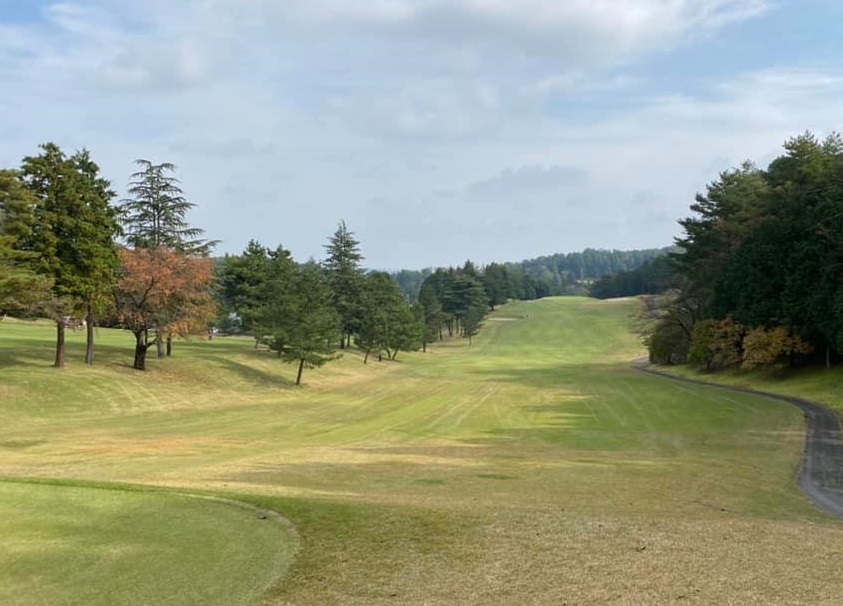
{"x": 821, "y": 475}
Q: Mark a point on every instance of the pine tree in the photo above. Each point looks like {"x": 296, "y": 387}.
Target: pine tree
{"x": 155, "y": 214}
{"x": 313, "y": 324}
{"x": 345, "y": 278}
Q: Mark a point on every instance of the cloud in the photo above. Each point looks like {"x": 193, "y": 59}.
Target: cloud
{"x": 528, "y": 180}
{"x": 400, "y": 116}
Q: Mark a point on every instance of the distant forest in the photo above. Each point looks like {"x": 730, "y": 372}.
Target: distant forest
{"x": 559, "y": 274}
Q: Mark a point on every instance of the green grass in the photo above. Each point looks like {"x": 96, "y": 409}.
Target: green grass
{"x": 816, "y": 384}
{"x": 93, "y": 546}
{"x": 534, "y": 467}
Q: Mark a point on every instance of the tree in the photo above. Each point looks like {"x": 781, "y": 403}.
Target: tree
{"x": 764, "y": 347}
{"x": 473, "y": 321}
{"x": 155, "y": 215}
{"x": 72, "y": 234}
{"x": 21, "y": 289}
{"x": 345, "y": 278}
{"x": 387, "y": 323}
{"x": 161, "y": 289}
{"x": 496, "y": 283}
{"x": 312, "y": 325}
{"x": 101, "y": 227}
{"x": 241, "y": 287}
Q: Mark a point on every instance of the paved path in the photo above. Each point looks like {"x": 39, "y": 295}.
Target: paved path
{"x": 821, "y": 476}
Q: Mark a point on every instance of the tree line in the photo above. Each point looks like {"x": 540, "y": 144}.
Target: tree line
{"x": 260, "y": 292}
{"x": 70, "y": 251}
{"x": 760, "y": 266}
{"x": 655, "y": 276}
{"x": 552, "y": 275}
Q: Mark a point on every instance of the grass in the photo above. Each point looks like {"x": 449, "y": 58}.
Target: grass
{"x": 65, "y": 544}
{"x": 534, "y": 467}
{"x": 816, "y": 384}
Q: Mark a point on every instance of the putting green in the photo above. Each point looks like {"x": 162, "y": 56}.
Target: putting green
{"x": 64, "y": 545}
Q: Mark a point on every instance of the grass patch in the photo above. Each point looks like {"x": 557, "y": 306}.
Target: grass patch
{"x": 816, "y": 384}
{"x": 78, "y": 545}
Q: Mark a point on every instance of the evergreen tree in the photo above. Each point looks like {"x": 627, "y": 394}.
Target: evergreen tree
{"x": 313, "y": 323}
{"x": 387, "y": 322}
{"x": 21, "y": 289}
{"x": 242, "y": 288}
{"x": 155, "y": 214}
{"x": 345, "y": 278}
{"x": 73, "y": 233}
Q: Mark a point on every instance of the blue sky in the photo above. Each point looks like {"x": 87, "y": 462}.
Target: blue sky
{"x": 439, "y": 130}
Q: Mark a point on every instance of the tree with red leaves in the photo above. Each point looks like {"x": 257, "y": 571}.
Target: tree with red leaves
{"x": 163, "y": 291}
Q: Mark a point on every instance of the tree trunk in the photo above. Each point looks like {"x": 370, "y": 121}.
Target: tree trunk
{"x": 89, "y": 341}
{"x": 169, "y": 346}
{"x": 159, "y": 343}
{"x": 141, "y": 345}
{"x": 394, "y": 355}
{"x": 342, "y": 340}
{"x": 828, "y": 356}
{"x": 424, "y": 346}
{"x": 60, "y": 345}
{"x": 301, "y": 368}
{"x": 366, "y": 359}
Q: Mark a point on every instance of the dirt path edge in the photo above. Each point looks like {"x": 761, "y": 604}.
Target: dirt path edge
{"x": 821, "y": 475}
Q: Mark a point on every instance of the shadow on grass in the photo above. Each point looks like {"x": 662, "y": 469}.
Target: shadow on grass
{"x": 250, "y": 373}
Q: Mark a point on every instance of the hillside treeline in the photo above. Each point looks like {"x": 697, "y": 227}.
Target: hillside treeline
{"x": 655, "y": 276}
{"x": 761, "y": 265}
{"x": 552, "y": 275}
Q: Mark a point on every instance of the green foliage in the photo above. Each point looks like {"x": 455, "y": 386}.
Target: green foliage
{"x": 345, "y": 278}
{"x": 69, "y": 229}
{"x": 74, "y": 226}
{"x": 702, "y": 341}
{"x": 448, "y": 295}
{"x": 155, "y": 213}
{"x": 387, "y": 322}
{"x": 654, "y": 277}
{"x": 242, "y": 287}
{"x": 21, "y": 289}
{"x": 310, "y": 325}
{"x": 472, "y": 321}
{"x": 765, "y": 247}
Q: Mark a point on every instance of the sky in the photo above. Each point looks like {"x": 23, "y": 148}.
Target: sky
{"x": 439, "y": 130}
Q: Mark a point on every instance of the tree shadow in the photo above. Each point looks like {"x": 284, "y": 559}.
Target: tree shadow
{"x": 252, "y": 374}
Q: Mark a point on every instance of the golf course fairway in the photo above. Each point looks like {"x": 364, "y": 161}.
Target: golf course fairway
{"x": 533, "y": 467}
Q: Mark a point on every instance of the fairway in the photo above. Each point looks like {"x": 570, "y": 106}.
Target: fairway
{"x": 533, "y": 467}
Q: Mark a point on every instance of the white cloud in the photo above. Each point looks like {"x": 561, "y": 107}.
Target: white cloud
{"x": 285, "y": 117}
